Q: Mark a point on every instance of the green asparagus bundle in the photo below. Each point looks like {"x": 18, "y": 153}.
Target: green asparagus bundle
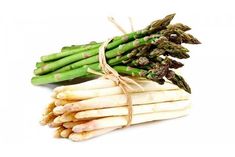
{"x": 147, "y": 53}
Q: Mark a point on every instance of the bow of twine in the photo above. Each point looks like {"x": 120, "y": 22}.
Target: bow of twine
{"x": 110, "y": 73}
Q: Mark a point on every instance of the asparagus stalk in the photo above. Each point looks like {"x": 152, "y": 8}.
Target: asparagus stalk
{"x": 90, "y": 134}
{"x": 48, "y": 118}
{"x": 70, "y": 125}
{"x": 120, "y": 121}
{"x": 54, "y": 125}
{"x": 153, "y": 27}
{"x": 49, "y": 108}
{"x": 58, "y": 132}
{"x": 66, "y": 133}
{"x": 89, "y": 85}
{"x": 140, "y": 109}
{"x": 88, "y": 46}
{"x": 60, "y": 102}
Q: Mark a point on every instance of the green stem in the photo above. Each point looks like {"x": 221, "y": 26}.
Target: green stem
{"x": 80, "y": 72}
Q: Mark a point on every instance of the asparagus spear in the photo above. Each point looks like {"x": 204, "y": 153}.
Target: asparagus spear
{"x": 48, "y": 118}
{"x": 72, "y": 47}
{"x": 66, "y": 133}
{"x": 70, "y": 125}
{"x": 153, "y": 27}
{"x": 120, "y": 121}
{"x": 140, "y": 109}
{"x": 58, "y": 132}
{"x": 90, "y": 134}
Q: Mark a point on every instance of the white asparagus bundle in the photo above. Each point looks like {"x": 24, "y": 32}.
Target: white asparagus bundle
{"x": 120, "y": 100}
{"x": 93, "y": 108}
{"x": 120, "y": 121}
{"x": 86, "y": 94}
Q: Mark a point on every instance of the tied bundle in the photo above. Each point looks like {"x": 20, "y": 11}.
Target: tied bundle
{"x": 93, "y": 108}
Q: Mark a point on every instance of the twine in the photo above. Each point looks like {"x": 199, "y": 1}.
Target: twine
{"x": 112, "y": 74}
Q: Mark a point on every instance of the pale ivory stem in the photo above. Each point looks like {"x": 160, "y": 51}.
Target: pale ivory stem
{"x": 67, "y": 117}
{"x": 47, "y": 118}
{"x": 49, "y": 108}
{"x": 65, "y": 133}
{"x": 122, "y": 120}
{"x": 54, "y": 125}
{"x": 93, "y": 84}
{"x": 140, "y": 109}
{"x": 60, "y": 102}
{"x": 58, "y": 131}
{"x": 70, "y": 125}
{"x": 120, "y": 100}
{"x": 87, "y": 94}
{"x": 90, "y": 134}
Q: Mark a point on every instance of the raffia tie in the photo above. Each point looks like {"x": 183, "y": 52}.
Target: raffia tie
{"x": 112, "y": 74}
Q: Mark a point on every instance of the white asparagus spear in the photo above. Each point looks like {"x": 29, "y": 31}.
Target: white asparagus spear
{"x": 58, "y": 131}
{"x": 57, "y": 120}
{"x": 122, "y": 120}
{"x": 65, "y": 133}
{"x": 86, "y": 94}
{"x": 120, "y": 100}
{"x": 67, "y": 117}
{"x": 54, "y": 125}
{"x": 90, "y": 134}
{"x": 59, "y": 102}
{"x": 140, "y": 109}
{"x": 47, "y": 118}
{"x": 49, "y": 108}
{"x": 70, "y": 125}
{"x": 93, "y": 84}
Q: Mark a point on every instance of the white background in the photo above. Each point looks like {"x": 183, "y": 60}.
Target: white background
{"x": 30, "y": 29}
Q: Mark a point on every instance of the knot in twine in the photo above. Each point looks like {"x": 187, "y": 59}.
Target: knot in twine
{"x": 110, "y": 73}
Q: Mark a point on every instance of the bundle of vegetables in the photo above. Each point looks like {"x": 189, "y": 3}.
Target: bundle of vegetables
{"x": 96, "y": 107}
{"x": 146, "y": 53}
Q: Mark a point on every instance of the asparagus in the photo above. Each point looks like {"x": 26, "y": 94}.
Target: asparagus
{"x": 90, "y": 134}
{"x": 58, "y": 132}
{"x": 70, "y": 125}
{"x": 66, "y": 133}
{"x": 120, "y": 121}
{"x": 48, "y": 118}
{"x": 153, "y": 27}
{"x": 109, "y": 54}
{"x": 140, "y": 109}
{"x": 88, "y": 46}
{"x": 178, "y": 80}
